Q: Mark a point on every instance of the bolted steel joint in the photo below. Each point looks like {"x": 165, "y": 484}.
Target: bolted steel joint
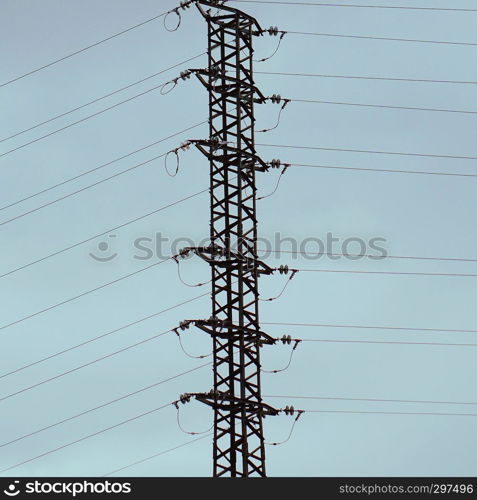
{"x": 214, "y": 71}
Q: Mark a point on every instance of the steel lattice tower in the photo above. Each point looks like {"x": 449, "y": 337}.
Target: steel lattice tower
{"x": 234, "y": 325}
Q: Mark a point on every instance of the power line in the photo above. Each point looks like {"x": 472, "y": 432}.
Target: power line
{"x": 203, "y": 191}
{"x": 388, "y": 342}
{"x": 381, "y": 38}
{"x": 101, "y": 166}
{"x": 307, "y": 411}
{"x": 266, "y": 323}
{"x": 158, "y": 454}
{"x": 82, "y": 119}
{"x": 58, "y": 252}
{"x": 385, "y": 170}
{"x": 301, "y": 270}
{"x": 166, "y": 207}
{"x": 355, "y": 77}
{"x": 382, "y": 106}
{"x": 111, "y": 332}
{"x": 394, "y": 7}
{"x": 185, "y": 199}
{"x": 99, "y": 99}
{"x": 269, "y": 323}
{"x": 49, "y": 308}
{"x": 326, "y": 398}
{"x": 394, "y": 413}
{"x": 466, "y": 275}
{"x": 56, "y": 61}
{"x": 72, "y": 370}
{"x": 203, "y": 437}
{"x": 87, "y": 437}
{"x": 373, "y": 327}
{"x": 103, "y": 405}
{"x": 146, "y": 162}
{"x": 337, "y": 254}
{"x": 66, "y": 196}
{"x": 368, "y": 151}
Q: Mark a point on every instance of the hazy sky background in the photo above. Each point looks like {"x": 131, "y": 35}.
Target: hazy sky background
{"x": 419, "y": 215}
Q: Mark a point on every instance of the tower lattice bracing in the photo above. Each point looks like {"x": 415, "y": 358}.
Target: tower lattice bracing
{"x": 232, "y": 254}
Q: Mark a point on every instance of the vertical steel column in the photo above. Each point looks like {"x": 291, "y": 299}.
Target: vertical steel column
{"x": 236, "y": 397}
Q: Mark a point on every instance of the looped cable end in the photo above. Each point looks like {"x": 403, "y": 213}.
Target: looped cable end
{"x": 182, "y": 6}
{"x": 185, "y": 398}
{"x": 180, "y": 256}
{"x": 179, "y": 20}
{"x": 167, "y": 90}
{"x": 275, "y": 163}
{"x": 174, "y": 151}
{"x": 286, "y": 339}
{"x": 183, "y": 326}
{"x": 289, "y": 410}
{"x": 272, "y": 31}
{"x": 183, "y": 147}
{"x": 276, "y": 99}
{"x": 283, "y": 270}
{"x": 184, "y": 75}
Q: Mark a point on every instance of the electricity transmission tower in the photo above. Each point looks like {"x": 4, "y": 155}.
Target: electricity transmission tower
{"x": 238, "y": 448}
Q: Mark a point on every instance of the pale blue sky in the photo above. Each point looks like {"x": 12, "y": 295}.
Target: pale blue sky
{"x": 419, "y": 215}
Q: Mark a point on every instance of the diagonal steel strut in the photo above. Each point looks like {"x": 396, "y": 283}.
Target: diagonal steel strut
{"x": 239, "y": 449}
